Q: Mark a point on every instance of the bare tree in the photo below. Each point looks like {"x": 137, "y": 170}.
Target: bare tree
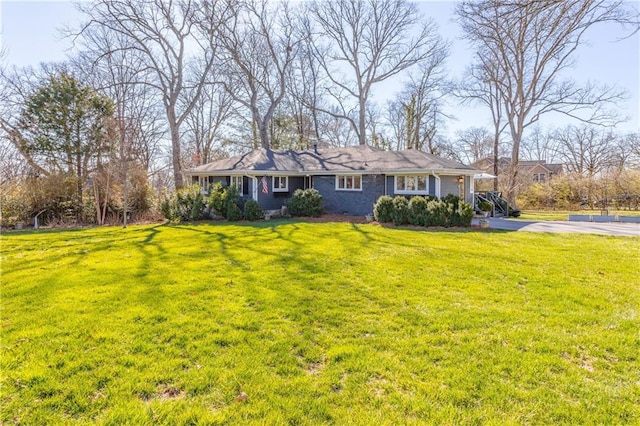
{"x": 529, "y": 44}
{"x": 417, "y": 113}
{"x": 630, "y": 148}
{"x": 360, "y": 43}
{"x": 337, "y": 132}
{"x": 304, "y": 91}
{"x": 124, "y": 78}
{"x": 205, "y": 125}
{"x": 586, "y": 150}
{"x": 137, "y": 126}
{"x": 163, "y": 34}
{"x": 256, "y": 44}
{"x": 478, "y": 86}
{"x": 539, "y": 145}
{"x": 474, "y": 144}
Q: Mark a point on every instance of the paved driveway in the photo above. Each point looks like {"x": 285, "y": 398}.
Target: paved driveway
{"x": 612, "y": 228}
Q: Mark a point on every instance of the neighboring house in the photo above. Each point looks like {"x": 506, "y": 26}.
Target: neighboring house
{"x": 539, "y": 171}
{"x": 350, "y": 179}
{"x": 530, "y": 172}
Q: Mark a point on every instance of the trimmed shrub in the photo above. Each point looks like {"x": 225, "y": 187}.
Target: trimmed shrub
{"x": 217, "y": 200}
{"x": 307, "y": 202}
{"x": 485, "y": 206}
{"x": 252, "y": 210}
{"x": 222, "y": 198}
{"x": 440, "y": 213}
{"x": 185, "y": 204}
{"x": 400, "y": 214}
{"x": 418, "y": 211}
{"x": 234, "y": 213}
{"x": 514, "y": 212}
{"x": 451, "y": 199}
{"x": 231, "y": 198}
{"x": 423, "y": 211}
{"x": 383, "y": 209}
{"x": 462, "y": 215}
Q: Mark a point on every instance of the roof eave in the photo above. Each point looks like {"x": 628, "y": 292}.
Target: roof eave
{"x": 433, "y": 171}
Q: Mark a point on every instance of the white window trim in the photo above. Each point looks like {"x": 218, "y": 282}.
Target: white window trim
{"x": 286, "y": 184}
{"x": 407, "y": 192}
{"x": 348, "y": 189}
{"x": 238, "y": 179}
{"x": 203, "y": 182}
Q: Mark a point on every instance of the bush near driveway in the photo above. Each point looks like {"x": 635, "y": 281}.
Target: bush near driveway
{"x": 423, "y": 211}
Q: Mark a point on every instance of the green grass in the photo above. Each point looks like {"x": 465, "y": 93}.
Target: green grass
{"x": 318, "y": 323}
{"x": 538, "y": 215}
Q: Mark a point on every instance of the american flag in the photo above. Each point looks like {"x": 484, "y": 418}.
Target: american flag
{"x": 265, "y": 187}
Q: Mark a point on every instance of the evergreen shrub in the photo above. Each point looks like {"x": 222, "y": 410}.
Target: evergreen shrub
{"x": 305, "y": 202}
{"x": 423, "y": 211}
{"x": 252, "y": 210}
{"x": 418, "y": 211}
{"x": 383, "y": 208}
{"x": 400, "y": 214}
{"x": 186, "y": 204}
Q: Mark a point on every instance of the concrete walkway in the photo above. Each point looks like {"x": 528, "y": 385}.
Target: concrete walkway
{"x": 563, "y": 227}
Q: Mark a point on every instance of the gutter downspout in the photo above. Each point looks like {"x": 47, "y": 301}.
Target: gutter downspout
{"x": 438, "y": 185}
{"x": 472, "y": 190}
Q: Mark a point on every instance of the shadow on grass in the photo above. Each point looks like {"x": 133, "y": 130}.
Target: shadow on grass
{"x": 288, "y": 243}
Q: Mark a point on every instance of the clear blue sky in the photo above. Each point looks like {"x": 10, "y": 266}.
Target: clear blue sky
{"x": 30, "y": 32}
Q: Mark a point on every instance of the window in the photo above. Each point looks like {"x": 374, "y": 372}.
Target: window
{"x": 280, "y": 183}
{"x": 204, "y": 182}
{"x": 539, "y": 177}
{"x": 348, "y": 183}
{"x": 237, "y": 181}
{"x": 411, "y": 184}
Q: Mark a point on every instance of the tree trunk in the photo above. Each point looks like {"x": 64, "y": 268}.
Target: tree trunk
{"x": 513, "y": 172}
{"x": 264, "y": 135}
{"x": 125, "y": 197}
{"x": 496, "y": 158}
{"x": 362, "y": 129}
{"x": 97, "y": 203}
{"x": 175, "y": 148}
{"x": 79, "y": 188}
{"x": 106, "y": 200}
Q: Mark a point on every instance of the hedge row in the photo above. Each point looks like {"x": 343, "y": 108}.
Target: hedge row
{"x": 189, "y": 204}
{"x": 423, "y": 211}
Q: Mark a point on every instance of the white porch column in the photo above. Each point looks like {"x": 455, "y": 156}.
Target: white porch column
{"x": 472, "y": 189}
{"x": 254, "y": 189}
{"x": 438, "y": 185}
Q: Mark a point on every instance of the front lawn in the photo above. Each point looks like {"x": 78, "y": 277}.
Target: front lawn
{"x": 288, "y": 322}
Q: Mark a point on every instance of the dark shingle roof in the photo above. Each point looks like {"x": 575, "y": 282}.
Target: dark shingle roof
{"x": 553, "y": 168}
{"x": 354, "y": 159}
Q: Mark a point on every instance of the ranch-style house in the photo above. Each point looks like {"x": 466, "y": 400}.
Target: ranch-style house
{"x": 349, "y": 179}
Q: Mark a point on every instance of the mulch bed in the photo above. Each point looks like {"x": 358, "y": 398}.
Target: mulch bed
{"x": 334, "y": 217}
